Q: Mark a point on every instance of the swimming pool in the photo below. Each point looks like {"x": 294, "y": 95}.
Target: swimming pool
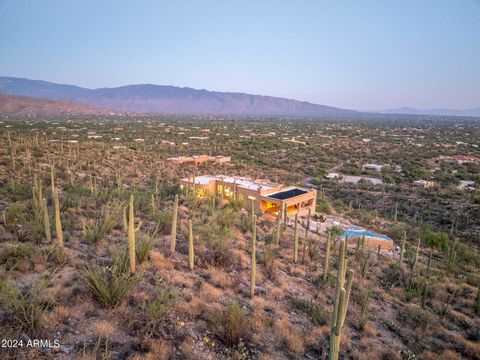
{"x": 349, "y": 233}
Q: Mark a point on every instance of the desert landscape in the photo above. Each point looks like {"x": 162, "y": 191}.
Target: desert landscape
{"x": 239, "y": 180}
{"x": 69, "y": 224}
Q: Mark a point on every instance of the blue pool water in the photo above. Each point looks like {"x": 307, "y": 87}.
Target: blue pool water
{"x": 360, "y": 233}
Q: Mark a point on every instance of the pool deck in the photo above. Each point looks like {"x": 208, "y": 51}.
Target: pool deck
{"x": 372, "y": 239}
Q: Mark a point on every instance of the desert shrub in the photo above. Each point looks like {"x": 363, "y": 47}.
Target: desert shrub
{"x": 323, "y": 205}
{"x": 16, "y": 212}
{"x": 230, "y": 324}
{"x": 13, "y": 255}
{"x": 267, "y": 257}
{"x": 245, "y": 222}
{"x": 25, "y": 309}
{"x": 109, "y": 285}
{"x": 311, "y": 309}
{"x": 56, "y": 255}
{"x": 416, "y": 317}
{"x": 225, "y": 218}
{"x": 414, "y": 288}
{"x": 144, "y": 245}
{"x": 313, "y": 245}
{"x": 215, "y": 234}
{"x": 163, "y": 220}
{"x": 363, "y": 316}
{"x": 155, "y": 310}
{"x": 96, "y": 230}
{"x": 393, "y": 276}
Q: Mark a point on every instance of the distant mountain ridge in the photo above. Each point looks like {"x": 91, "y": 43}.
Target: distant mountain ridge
{"x": 24, "y": 105}
{"x": 169, "y": 99}
{"x": 447, "y": 112}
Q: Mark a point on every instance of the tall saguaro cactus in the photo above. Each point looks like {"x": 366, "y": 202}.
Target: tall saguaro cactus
{"x": 254, "y": 256}
{"x": 58, "y": 221}
{"x": 191, "y": 250}
{"x": 46, "y": 220}
{"x": 340, "y": 303}
{"x": 326, "y": 263}
{"x": 295, "y": 239}
{"x": 52, "y": 178}
{"x": 305, "y": 241}
{"x": 173, "y": 239}
{"x": 402, "y": 249}
{"x": 277, "y": 230}
{"x": 131, "y": 236}
{"x": 415, "y": 258}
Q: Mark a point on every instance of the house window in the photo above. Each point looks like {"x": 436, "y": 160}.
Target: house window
{"x": 240, "y": 197}
{"x": 219, "y": 188}
{"x": 250, "y": 197}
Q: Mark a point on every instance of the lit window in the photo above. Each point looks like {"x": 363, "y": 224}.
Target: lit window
{"x": 219, "y": 188}
{"x": 250, "y": 197}
{"x": 240, "y": 197}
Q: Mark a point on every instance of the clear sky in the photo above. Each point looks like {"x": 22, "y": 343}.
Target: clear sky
{"x": 359, "y": 54}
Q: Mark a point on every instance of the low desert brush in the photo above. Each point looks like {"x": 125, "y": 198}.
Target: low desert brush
{"x": 25, "y": 309}
{"x": 13, "y": 255}
{"x": 109, "y": 285}
{"x": 230, "y": 324}
{"x": 95, "y": 230}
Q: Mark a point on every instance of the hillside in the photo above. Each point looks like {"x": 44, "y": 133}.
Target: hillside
{"x": 24, "y": 105}
{"x": 169, "y": 99}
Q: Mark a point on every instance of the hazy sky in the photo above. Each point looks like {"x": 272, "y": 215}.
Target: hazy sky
{"x": 358, "y": 54}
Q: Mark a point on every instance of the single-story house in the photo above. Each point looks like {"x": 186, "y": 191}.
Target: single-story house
{"x": 265, "y": 196}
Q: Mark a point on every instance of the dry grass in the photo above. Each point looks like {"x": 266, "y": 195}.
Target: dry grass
{"x": 289, "y": 335}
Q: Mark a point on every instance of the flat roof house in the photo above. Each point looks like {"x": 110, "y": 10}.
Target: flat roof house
{"x": 198, "y": 159}
{"x": 266, "y": 196}
{"x": 374, "y": 167}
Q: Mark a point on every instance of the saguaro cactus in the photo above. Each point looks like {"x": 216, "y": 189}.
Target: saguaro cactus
{"x": 191, "y": 250}
{"x": 415, "y": 258}
{"x": 52, "y": 178}
{"x": 254, "y": 256}
{"x": 131, "y": 236}
{"x": 152, "y": 202}
{"x": 58, "y": 222}
{"x": 12, "y": 154}
{"x": 326, "y": 263}
{"x": 307, "y": 229}
{"x": 340, "y": 302}
{"x": 173, "y": 239}
{"x": 252, "y": 213}
{"x": 277, "y": 231}
{"x": 295, "y": 239}
{"x": 402, "y": 249}
{"x": 46, "y": 220}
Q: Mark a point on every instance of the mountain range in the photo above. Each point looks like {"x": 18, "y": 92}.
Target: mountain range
{"x": 148, "y": 98}
{"x": 169, "y": 99}
{"x": 25, "y": 105}
{"x": 445, "y": 112}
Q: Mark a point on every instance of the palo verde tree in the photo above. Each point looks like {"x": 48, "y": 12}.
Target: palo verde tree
{"x": 435, "y": 240}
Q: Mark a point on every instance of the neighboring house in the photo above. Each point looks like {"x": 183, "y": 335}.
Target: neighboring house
{"x": 374, "y": 167}
{"x": 459, "y": 159}
{"x": 426, "y": 184}
{"x": 352, "y": 179}
{"x": 466, "y": 185}
{"x": 333, "y": 176}
{"x": 265, "y": 196}
{"x": 198, "y": 159}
